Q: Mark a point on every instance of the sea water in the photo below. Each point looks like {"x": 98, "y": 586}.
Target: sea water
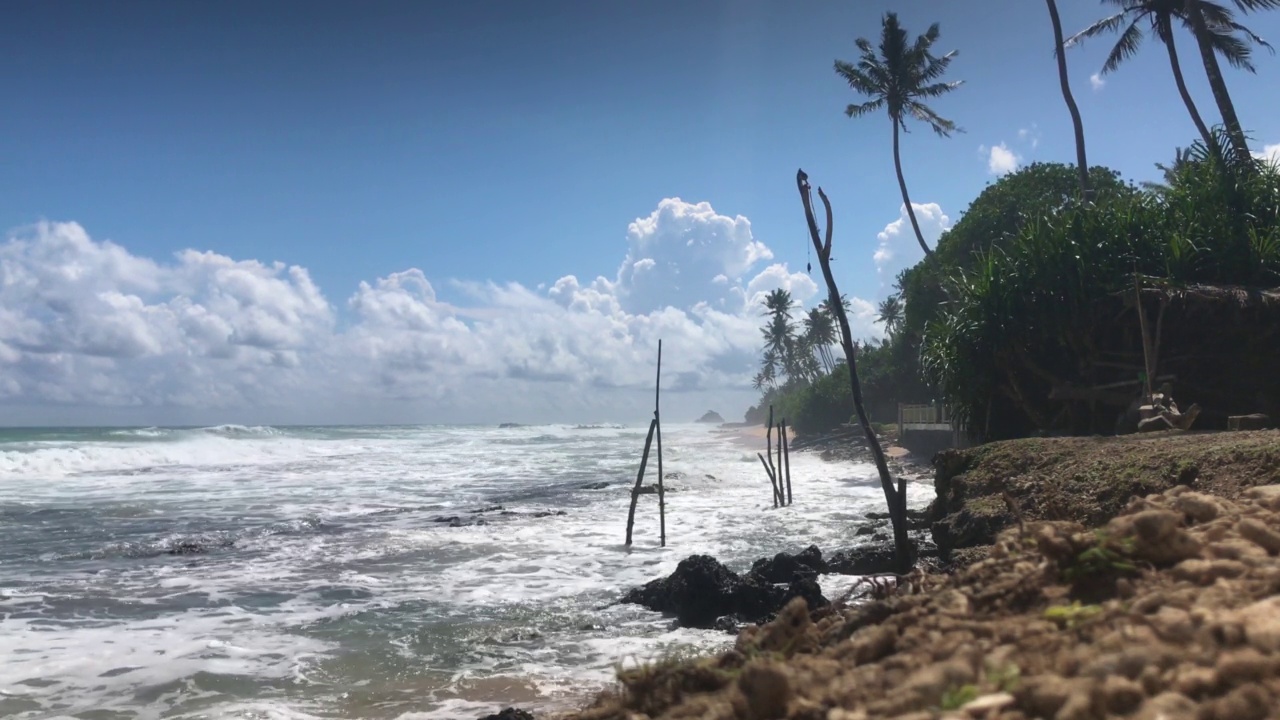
{"x": 258, "y": 572}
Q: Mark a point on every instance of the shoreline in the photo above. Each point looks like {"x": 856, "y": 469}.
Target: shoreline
{"x": 1034, "y": 624}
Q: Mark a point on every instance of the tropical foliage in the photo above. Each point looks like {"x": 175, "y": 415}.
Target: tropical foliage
{"x": 900, "y": 76}
{"x": 1030, "y": 313}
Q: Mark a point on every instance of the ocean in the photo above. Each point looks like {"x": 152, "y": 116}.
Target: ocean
{"x": 367, "y": 572}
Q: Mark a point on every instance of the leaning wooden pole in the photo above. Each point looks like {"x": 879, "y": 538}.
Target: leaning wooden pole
{"x": 786, "y": 454}
{"x": 635, "y": 491}
{"x": 895, "y": 498}
{"x": 1148, "y": 370}
{"x": 657, "y": 423}
{"x": 772, "y": 481}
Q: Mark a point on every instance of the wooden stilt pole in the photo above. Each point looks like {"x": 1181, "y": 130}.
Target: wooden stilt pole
{"x": 786, "y": 454}
{"x": 773, "y": 483}
{"x": 657, "y": 422}
{"x": 782, "y": 494}
{"x": 635, "y": 491}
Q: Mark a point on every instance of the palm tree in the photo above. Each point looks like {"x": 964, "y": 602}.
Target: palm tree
{"x": 1159, "y": 14}
{"x": 890, "y": 313}
{"x": 899, "y": 77}
{"x": 779, "y": 333}
{"x": 1082, "y": 164}
{"x": 1181, "y": 158}
{"x": 820, "y": 334}
{"x": 1212, "y": 25}
{"x": 1215, "y": 28}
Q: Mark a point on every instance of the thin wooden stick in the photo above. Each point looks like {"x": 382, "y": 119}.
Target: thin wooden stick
{"x": 782, "y": 496}
{"x": 768, "y": 454}
{"x": 635, "y": 491}
{"x": 1146, "y": 337}
{"x": 772, "y": 481}
{"x": 786, "y": 453}
{"x": 657, "y": 421}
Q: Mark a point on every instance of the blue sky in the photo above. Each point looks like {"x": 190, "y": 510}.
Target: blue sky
{"x": 496, "y": 147}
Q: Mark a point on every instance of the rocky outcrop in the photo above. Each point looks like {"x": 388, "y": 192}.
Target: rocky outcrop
{"x": 711, "y": 417}
{"x": 702, "y": 591}
{"x": 785, "y": 567}
{"x": 510, "y": 714}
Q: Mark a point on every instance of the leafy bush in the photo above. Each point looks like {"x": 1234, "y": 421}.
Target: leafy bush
{"x": 1034, "y": 311}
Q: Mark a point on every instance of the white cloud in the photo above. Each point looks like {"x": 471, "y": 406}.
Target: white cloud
{"x": 1001, "y": 160}
{"x": 1270, "y": 153}
{"x": 897, "y": 246}
{"x": 1097, "y": 82}
{"x": 88, "y": 329}
{"x": 1030, "y": 135}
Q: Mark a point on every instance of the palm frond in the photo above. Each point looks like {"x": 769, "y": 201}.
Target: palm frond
{"x": 1125, "y": 48}
{"x": 862, "y": 109}
{"x": 1105, "y": 25}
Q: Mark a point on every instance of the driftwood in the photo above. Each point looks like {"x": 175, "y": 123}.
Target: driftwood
{"x": 635, "y": 492}
{"x": 773, "y": 481}
{"x": 896, "y": 499}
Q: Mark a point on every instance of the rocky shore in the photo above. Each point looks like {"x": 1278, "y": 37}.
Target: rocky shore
{"x": 1092, "y": 578}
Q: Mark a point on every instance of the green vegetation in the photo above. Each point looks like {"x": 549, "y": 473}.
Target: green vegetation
{"x": 899, "y": 77}
{"x": 1024, "y": 314}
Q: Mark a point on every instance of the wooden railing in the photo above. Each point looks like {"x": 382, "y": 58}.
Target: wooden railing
{"x": 923, "y": 414}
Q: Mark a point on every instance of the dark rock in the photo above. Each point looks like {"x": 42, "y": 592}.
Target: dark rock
{"x": 652, "y": 489}
{"x": 727, "y": 624}
{"x": 868, "y": 560}
{"x": 510, "y": 714}
{"x": 187, "y": 547}
{"x": 866, "y": 530}
{"x": 701, "y": 592}
{"x": 673, "y": 475}
{"x": 510, "y": 425}
{"x": 595, "y": 486}
{"x": 491, "y": 508}
{"x": 549, "y": 513}
{"x": 785, "y": 567}
{"x": 711, "y": 417}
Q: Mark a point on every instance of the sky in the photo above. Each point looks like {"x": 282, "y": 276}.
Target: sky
{"x": 425, "y": 212}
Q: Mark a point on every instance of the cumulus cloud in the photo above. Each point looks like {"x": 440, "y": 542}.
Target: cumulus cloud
{"x": 86, "y": 324}
{"x": 897, "y": 247}
{"x": 1270, "y": 153}
{"x": 1097, "y": 82}
{"x": 1001, "y": 160}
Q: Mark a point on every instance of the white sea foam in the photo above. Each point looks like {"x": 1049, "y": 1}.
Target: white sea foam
{"x": 312, "y": 577}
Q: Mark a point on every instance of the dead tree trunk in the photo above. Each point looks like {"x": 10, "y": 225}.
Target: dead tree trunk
{"x": 773, "y": 482}
{"x": 635, "y": 491}
{"x": 895, "y": 498}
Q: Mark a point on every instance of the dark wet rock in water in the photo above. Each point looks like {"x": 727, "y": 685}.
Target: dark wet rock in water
{"x": 510, "y": 425}
{"x": 866, "y": 530}
{"x": 491, "y": 508}
{"x": 549, "y": 513}
{"x": 652, "y": 489}
{"x": 869, "y": 560}
{"x": 595, "y": 486}
{"x": 458, "y": 521}
{"x": 785, "y": 567}
{"x": 194, "y": 547}
{"x": 673, "y": 475}
{"x": 510, "y": 714}
{"x": 702, "y": 591}
{"x": 711, "y": 417}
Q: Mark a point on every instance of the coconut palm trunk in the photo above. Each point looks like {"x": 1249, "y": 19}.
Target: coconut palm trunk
{"x": 1209, "y": 141}
{"x": 902, "y": 185}
{"x": 1082, "y": 163}
{"x": 1218, "y": 85}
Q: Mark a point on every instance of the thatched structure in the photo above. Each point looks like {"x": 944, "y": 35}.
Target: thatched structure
{"x": 1218, "y": 345}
